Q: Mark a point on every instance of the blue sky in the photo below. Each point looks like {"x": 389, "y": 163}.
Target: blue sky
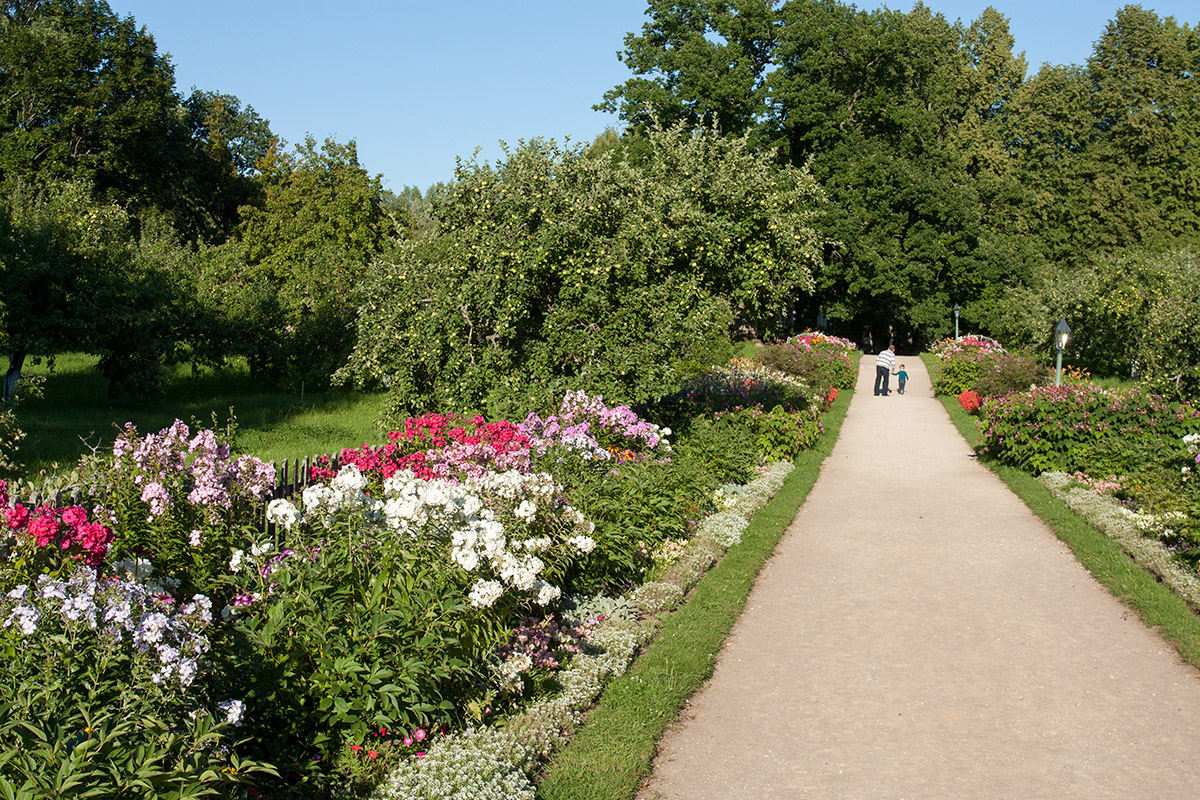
{"x": 416, "y": 84}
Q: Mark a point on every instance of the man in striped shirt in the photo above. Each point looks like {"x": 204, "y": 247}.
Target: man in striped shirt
{"x": 885, "y": 362}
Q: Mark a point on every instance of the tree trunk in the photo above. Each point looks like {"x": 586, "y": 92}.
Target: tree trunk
{"x": 16, "y": 360}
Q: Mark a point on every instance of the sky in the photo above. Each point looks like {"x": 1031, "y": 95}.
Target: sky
{"x": 418, "y": 84}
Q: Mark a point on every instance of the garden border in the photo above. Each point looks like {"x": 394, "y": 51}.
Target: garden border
{"x": 610, "y": 755}
{"x": 1156, "y": 604}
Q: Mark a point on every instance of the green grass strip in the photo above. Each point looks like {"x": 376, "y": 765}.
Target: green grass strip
{"x": 611, "y": 754}
{"x": 1154, "y": 602}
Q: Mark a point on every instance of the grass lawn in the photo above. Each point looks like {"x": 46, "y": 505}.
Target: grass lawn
{"x": 75, "y": 414}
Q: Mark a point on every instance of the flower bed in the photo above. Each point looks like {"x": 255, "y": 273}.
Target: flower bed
{"x": 396, "y": 606}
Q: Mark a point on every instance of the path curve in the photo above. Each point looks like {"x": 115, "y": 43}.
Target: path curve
{"x": 919, "y": 633}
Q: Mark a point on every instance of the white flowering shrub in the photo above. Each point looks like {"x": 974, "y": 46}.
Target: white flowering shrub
{"x": 1139, "y": 534}
{"x": 421, "y": 582}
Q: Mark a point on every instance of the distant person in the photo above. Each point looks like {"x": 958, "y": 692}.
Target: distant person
{"x": 901, "y": 378}
{"x": 885, "y": 362}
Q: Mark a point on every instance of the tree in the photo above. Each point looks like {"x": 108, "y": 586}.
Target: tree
{"x": 616, "y": 272}
{"x": 284, "y": 282}
{"x": 73, "y": 280}
{"x": 84, "y": 95}
{"x": 700, "y": 62}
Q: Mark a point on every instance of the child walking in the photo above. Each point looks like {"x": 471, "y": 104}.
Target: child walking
{"x": 901, "y": 378}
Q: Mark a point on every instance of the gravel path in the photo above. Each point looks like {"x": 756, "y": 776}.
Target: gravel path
{"x": 920, "y": 634}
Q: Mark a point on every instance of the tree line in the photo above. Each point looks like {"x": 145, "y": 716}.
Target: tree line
{"x": 954, "y": 177}
{"x": 781, "y": 163}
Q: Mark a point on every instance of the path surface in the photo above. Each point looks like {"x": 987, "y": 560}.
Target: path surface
{"x": 920, "y": 634}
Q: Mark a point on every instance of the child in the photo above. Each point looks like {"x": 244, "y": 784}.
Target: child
{"x": 902, "y": 378}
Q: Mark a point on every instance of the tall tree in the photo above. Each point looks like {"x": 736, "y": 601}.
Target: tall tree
{"x": 700, "y": 62}
{"x": 285, "y": 280}
{"x": 84, "y": 95}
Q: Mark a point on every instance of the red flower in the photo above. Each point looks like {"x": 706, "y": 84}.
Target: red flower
{"x": 970, "y": 401}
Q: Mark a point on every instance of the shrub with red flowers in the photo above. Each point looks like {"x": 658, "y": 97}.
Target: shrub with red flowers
{"x": 970, "y": 400}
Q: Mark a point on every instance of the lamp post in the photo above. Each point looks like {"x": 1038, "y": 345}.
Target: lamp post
{"x": 1062, "y": 332}
{"x": 956, "y": 310}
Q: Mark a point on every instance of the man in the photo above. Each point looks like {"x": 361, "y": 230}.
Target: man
{"x": 885, "y": 362}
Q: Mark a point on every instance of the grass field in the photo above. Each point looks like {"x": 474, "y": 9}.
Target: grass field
{"x": 75, "y": 413}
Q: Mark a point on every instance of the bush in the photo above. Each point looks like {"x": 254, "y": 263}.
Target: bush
{"x": 961, "y": 363}
{"x": 970, "y": 401}
{"x": 10, "y": 433}
{"x": 1002, "y": 373}
{"x": 725, "y": 447}
{"x": 1056, "y": 428}
{"x": 822, "y": 361}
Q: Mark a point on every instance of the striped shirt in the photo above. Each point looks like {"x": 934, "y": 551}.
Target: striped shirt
{"x": 886, "y": 359}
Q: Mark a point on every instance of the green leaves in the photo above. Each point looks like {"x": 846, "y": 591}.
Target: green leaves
{"x": 614, "y": 271}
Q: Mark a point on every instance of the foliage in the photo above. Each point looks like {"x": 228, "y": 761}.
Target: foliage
{"x": 104, "y": 692}
{"x": 615, "y": 273}
{"x": 11, "y": 434}
{"x": 822, "y": 361}
{"x": 962, "y": 363}
{"x": 283, "y": 285}
{"x": 73, "y": 280}
{"x": 899, "y": 117}
{"x": 1011, "y": 372}
{"x": 783, "y": 435}
{"x": 183, "y": 501}
{"x": 724, "y": 446}
{"x": 1057, "y": 428}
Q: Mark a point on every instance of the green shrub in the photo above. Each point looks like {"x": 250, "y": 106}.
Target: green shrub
{"x": 783, "y": 435}
{"x": 822, "y": 361}
{"x": 961, "y": 363}
{"x": 725, "y": 447}
{"x": 1057, "y": 428}
{"x": 1010, "y": 372}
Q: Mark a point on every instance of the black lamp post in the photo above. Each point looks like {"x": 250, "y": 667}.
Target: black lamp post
{"x": 1062, "y": 331}
{"x": 956, "y": 310}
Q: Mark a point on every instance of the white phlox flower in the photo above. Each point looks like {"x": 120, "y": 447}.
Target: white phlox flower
{"x": 283, "y": 513}
{"x": 485, "y": 593}
{"x": 526, "y": 511}
{"x": 544, "y": 593}
{"x": 584, "y": 544}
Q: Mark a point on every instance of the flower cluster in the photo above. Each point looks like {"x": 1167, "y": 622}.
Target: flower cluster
{"x": 745, "y": 384}
{"x": 823, "y": 361}
{"x": 586, "y": 424}
{"x": 970, "y": 400}
{"x": 438, "y": 446}
{"x": 1041, "y": 429}
{"x": 949, "y": 348}
{"x": 140, "y": 615}
{"x": 170, "y": 464}
{"x": 64, "y": 529}
{"x": 502, "y": 526}
{"x": 545, "y": 643}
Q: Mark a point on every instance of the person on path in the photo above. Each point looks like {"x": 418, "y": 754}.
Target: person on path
{"x": 885, "y": 362}
{"x": 901, "y": 378}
